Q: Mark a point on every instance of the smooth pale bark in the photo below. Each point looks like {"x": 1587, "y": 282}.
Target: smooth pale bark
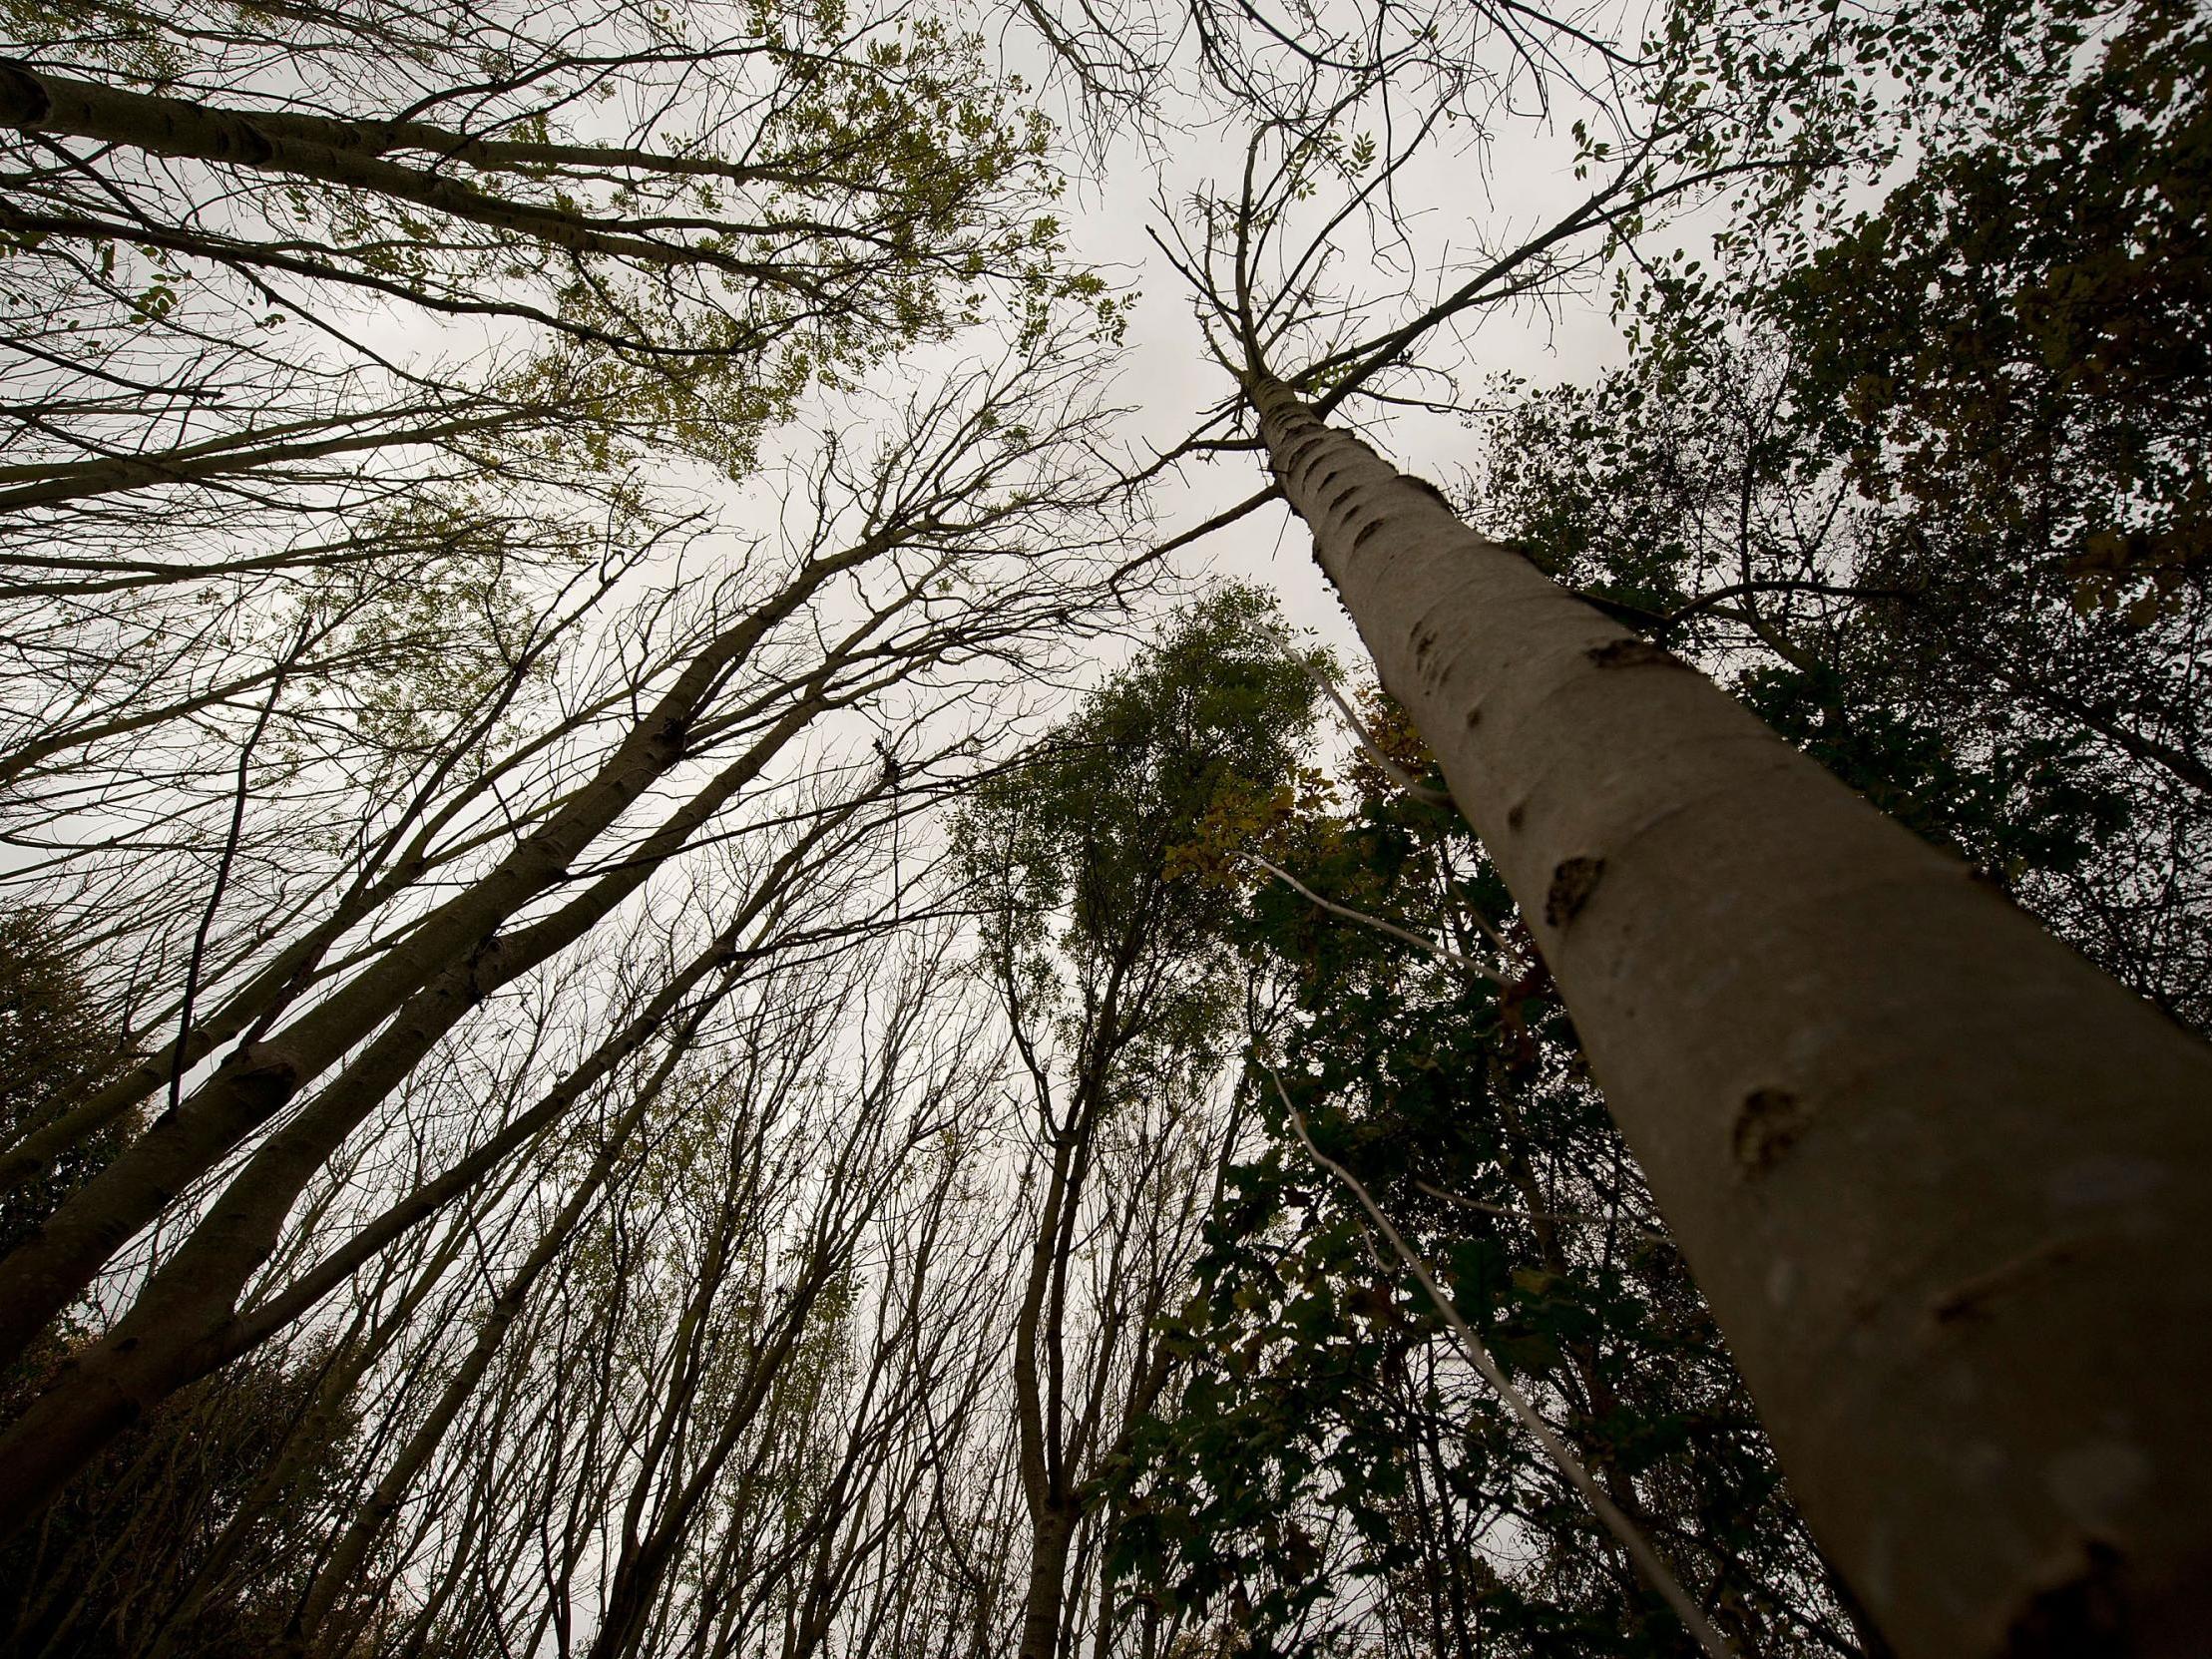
{"x": 1947, "y": 1188}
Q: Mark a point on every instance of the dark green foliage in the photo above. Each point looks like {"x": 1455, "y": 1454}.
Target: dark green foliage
{"x": 1327, "y": 1434}
{"x": 2021, "y": 339}
{"x": 56, "y": 1044}
{"x": 1094, "y": 848}
{"x": 1107, "y": 931}
{"x": 2030, "y": 801}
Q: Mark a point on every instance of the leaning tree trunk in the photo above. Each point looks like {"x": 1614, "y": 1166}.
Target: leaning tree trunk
{"x": 1947, "y": 1187}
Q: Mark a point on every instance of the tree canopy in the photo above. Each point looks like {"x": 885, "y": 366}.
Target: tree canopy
{"x": 687, "y": 967}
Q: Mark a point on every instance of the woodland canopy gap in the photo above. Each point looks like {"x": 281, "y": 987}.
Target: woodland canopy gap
{"x": 710, "y": 946}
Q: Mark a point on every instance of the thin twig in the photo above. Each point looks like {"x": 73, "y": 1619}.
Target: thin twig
{"x": 1221, "y": 521}
{"x": 1512, "y": 1214}
{"x": 1639, "y": 1548}
{"x": 240, "y": 793}
{"x": 1443, "y": 953}
{"x": 1374, "y": 751}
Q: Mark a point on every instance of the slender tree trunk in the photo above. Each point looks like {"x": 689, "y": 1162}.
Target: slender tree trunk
{"x": 338, "y": 1572}
{"x": 225, "y": 457}
{"x": 644, "y": 1561}
{"x": 1052, "y": 1534}
{"x": 454, "y": 957}
{"x": 32, "y": 100}
{"x": 1037, "y": 1363}
{"x": 1945, "y": 1186}
{"x": 176, "y": 1328}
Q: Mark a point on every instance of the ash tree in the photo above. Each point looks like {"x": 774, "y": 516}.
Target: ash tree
{"x": 526, "y": 527}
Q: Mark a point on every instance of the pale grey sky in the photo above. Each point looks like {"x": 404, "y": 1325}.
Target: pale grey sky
{"x": 1523, "y": 178}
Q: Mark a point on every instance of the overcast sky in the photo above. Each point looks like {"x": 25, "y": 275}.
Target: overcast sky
{"x": 1522, "y": 178}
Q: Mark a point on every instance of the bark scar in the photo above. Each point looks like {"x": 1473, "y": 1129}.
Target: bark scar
{"x": 1633, "y": 654}
{"x": 1964, "y": 1301}
{"x": 266, "y": 1069}
{"x": 23, "y": 97}
{"x": 1767, "y": 1125}
{"x": 1571, "y": 885}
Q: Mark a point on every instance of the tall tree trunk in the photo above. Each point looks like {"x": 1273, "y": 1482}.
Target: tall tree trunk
{"x": 330, "y": 151}
{"x": 1945, "y": 1186}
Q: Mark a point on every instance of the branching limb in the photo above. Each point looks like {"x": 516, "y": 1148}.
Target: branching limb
{"x": 1373, "y": 750}
{"x": 1443, "y": 953}
{"x": 1649, "y": 1564}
